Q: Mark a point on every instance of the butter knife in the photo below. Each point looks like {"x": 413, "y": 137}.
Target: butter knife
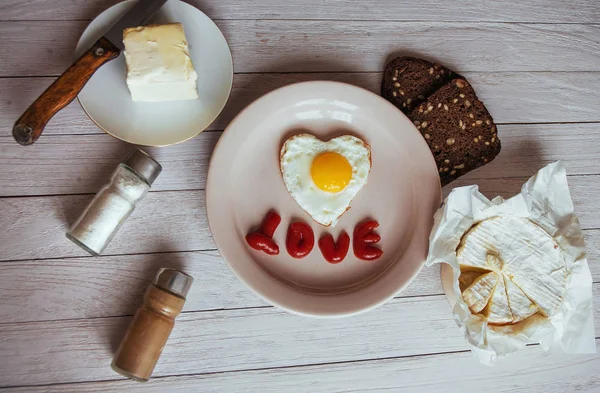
{"x": 62, "y": 91}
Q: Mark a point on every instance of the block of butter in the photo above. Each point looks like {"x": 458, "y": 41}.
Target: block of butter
{"x": 159, "y": 67}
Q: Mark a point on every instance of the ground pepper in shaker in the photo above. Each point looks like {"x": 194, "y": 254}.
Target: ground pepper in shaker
{"x": 152, "y": 324}
{"x": 112, "y": 205}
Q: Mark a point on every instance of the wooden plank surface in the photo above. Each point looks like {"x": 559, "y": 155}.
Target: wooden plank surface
{"x": 511, "y": 97}
{"x": 165, "y": 221}
{"x": 74, "y": 288}
{"x": 176, "y": 221}
{"x": 536, "y": 65}
{"x": 318, "y": 46}
{"x": 217, "y": 341}
{"x": 448, "y": 373}
{"x": 545, "y": 11}
{"x": 78, "y": 288}
{"x": 80, "y": 164}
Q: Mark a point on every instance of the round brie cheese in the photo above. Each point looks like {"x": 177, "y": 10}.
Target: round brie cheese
{"x": 515, "y": 270}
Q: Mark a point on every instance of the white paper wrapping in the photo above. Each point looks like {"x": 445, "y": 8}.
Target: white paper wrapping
{"x": 545, "y": 199}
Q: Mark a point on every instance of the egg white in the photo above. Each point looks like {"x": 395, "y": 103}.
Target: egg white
{"x": 297, "y": 155}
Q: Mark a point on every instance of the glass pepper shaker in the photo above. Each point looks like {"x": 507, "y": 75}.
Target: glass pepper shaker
{"x": 151, "y": 326}
{"x": 112, "y": 205}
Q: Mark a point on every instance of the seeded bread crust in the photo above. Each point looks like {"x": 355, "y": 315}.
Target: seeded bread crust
{"x": 458, "y": 129}
{"x": 408, "y": 81}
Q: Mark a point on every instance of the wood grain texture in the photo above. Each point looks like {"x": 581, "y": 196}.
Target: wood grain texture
{"x": 62, "y": 91}
{"x": 163, "y": 221}
{"x": 528, "y": 371}
{"x": 56, "y": 289}
{"x": 46, "y": 48}
{"x": 113, "y": 286}
{"x": 217, "y": 341}
{"x": 176, "y": 220}
{"x": 511, "y": 97}
{"x": 545, "y": 11}
{"x": 63, "y": 312}
{"x": 78, "y": 164}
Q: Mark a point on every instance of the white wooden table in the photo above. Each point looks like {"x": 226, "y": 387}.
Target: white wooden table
{"x": 536, "y": 64}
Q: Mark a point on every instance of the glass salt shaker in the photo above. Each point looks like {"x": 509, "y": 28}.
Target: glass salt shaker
{"x": 109, "y": 209}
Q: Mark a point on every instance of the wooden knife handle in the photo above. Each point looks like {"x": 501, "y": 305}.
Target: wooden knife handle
{"x": 31, "y": 124}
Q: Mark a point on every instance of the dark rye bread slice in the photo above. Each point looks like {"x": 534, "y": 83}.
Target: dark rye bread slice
{"x": 408, "y": 81}
{"x": 458, "y": 129}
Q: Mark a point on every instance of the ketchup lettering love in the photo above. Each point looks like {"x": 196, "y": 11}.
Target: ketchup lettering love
{"x": 332, "y": 252}
{"x": 363, "y": 240}
{"x": 262, "y": 240}
{"x": 300, "y": 240}
{"x": 270, "y": 223}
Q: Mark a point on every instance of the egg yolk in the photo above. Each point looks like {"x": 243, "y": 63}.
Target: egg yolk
{"x": 331, "y": 172}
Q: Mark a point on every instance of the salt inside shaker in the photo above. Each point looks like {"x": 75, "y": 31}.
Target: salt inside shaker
{"x": 112, "y": 205}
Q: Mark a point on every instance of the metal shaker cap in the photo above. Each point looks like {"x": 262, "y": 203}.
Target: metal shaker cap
{"x": 174, "y": 281}
{"x": 144, "y": 165}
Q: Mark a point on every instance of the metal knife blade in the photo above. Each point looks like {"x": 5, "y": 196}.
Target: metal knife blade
{"x": 138, "y": 15}
{"x": 31, "y": 124}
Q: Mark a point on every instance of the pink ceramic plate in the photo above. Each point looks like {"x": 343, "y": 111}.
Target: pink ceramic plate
{"x": 402, "y": 193}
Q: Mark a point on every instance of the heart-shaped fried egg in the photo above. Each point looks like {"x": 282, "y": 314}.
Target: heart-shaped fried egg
{"x": 324, "y": 177}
